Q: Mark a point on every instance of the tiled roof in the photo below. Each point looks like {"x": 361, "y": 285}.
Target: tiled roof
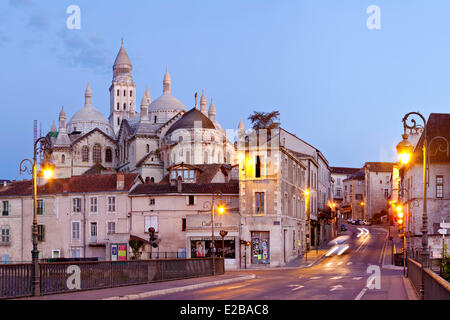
{"x": 207, "y": 172}
{"x": 344, "y": 170}
{"x": 75, "y": 184}
{"x": 379, "y": 166}
{"x": 194, "y": 188}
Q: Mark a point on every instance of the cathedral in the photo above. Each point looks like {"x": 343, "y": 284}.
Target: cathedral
{"x": 150, "y": 142}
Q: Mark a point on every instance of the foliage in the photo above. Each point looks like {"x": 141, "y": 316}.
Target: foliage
{"x": 135, "y": 246}
{"x": 264, "y": 120}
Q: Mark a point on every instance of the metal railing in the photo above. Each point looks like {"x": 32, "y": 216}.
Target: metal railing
{"x": 60, "y": 277}
{"x": 434, "y": 287}
{"x": 15, "y": 280}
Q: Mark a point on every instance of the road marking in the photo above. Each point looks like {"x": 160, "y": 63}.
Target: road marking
{"x": 333, "y": 288}
{"x": 359, "y": 296}
{"x": 329, "y": 264}
{"x": 357, "y": 278}
{"x": 349, "y": 263}
{"x": 236, "y": 287}
{"x": 297, "y": 286}
{"x": 339, "y": 263}
{"x": 315, "y": 278}
{"x": 336, "y": 278}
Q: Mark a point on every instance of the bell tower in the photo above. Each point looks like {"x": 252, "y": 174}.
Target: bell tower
{"x": 122, "y": 91}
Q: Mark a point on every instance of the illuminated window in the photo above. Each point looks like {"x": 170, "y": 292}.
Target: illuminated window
{"x": 259, "y": 196}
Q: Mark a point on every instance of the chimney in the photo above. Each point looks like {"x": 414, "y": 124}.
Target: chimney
{"x": 179, "y": 185}
{"x": 120, "y": 181}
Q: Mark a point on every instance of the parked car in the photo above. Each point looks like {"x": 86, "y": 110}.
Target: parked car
{"x": 357, "y": 222}
{"x": 349, "y": 220}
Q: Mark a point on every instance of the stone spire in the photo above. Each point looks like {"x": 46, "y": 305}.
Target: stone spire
{"x": 88, "y": 96}
{"x": 63, "y": 138}
{"x": 212, "y": 111}
{"x": 53, "y": 128}
{"x": 241, "y": 127}
{"x": 147, "y": 96}
{"x": 166, "y": 83}
{"x": 203, "y": 103}
{"x": 144, "y": 107}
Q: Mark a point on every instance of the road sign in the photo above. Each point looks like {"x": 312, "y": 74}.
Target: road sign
{"x": 442, "y": 231}
{"x": 445, "y": 225}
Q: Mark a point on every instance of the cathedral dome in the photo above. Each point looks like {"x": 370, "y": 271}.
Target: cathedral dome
{"x": 88, "y": 118}
{"x": 166, "y": 102}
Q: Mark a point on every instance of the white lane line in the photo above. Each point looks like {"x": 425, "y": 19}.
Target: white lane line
{"x": 315, "y": 278}
{"x": 296, "y": 286}
{"x": 359, "y": 296}
{"x": 329, "y": 264}
{"x": 357, "y": 278}
{"x": 333, "y": 288}
{"x": 336, "y": 278}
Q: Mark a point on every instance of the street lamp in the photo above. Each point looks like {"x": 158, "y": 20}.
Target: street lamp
{"x": 405, "y": 149}
{"x": 47, "y": 171}
{"x": 221, "y": 211}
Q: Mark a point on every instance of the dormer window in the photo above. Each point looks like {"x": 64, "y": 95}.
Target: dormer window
{"x": 187, "y": 175}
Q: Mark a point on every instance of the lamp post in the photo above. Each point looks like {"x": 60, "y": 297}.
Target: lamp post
{"x": 47, "y": 170}
{"x": 220, "y": 210}
{"x": 405, "y": 149}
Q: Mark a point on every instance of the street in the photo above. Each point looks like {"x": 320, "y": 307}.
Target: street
{"x": 342, "y": 277}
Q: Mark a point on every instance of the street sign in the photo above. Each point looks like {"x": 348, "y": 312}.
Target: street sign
{"x": 444, "y": 225}
{"x": 442, "y": 231}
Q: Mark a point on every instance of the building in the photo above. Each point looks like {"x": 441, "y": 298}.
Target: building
{"x": 438, "y": 189}
{"x": 78, "y": 217}
{"x": 164, "y": 133}
{"x": 272, "y": 184}
{"x": 339, "y": 174}
{"x": 353, "y": 205}
{"x": 378, "y": 187}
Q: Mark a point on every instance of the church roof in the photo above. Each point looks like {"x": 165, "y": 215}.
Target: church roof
{"x": 166, "y": 102}
{"x": 122, "y": 57}
{"x": 190, "y": 120}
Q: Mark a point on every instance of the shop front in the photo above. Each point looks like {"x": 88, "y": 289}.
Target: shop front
{"x": 199, "y": 242}
{"x": 260, "y": 247}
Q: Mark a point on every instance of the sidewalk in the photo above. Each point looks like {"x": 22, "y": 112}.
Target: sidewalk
{"x": 307, "y": 260}
{"x": 150, "y": 289}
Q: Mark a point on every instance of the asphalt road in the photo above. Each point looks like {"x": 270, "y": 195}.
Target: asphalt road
{"x": 342, "y": 277}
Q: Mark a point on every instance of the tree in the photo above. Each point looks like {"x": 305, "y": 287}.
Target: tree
{"x": 135, "y": 246}
{"x": 264, "y": 120}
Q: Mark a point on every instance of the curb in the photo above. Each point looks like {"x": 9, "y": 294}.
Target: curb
{"x": 179, "y": 289}
{"x": 410, "y": 292}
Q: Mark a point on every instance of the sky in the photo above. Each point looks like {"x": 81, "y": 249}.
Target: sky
{"x": 338, "y": 84}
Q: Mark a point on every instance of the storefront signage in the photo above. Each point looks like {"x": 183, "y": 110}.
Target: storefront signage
{"x": 119, "y": 252}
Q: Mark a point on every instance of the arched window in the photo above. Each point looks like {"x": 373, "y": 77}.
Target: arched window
{"x": 124, "y": 93}
{"x": 63, "y": 159}
{"x": 124, "y": 106}
{"x": 118, "y": 92}
{"x": 154, "y": 119}
{"x": 118, "y": 121}
{"x": 131, "y": 93}
{"x": 147, "y": 180}
{"x": 108, "y": 155}
{"x": 97, "y": 154}
{"x": 152, "y": 180}
{"x": 148, "y": 148}
{"x": 118, "y": 105}
{"x": 85, "y": 154}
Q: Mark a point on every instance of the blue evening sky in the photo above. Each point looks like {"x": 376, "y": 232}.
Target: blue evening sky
{"x": 338, "y": 85}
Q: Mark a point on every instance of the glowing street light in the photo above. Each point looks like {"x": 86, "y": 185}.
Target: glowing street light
{"x": 405, "y": 149}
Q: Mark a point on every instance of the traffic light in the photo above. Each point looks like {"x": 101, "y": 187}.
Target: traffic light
{"x": 400, "y": 218}
{"x": 248, "y": 243}
{"x": 153, "y": 238}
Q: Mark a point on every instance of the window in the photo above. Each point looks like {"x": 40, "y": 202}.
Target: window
{"x": 439, "y": 186}
{"x": 124, "y": 93}
{"x": 118, "y": 92}
{"x": 154, "y": 119}
{"x": 338, "y": 181}
{"x": 118, "y": 105}
{"x": 5, "y": 235}
{"x": 40, "y": 207}
{"x": 118, "y": 121}
{"x": 152, "y": 201}
{"x": 111, "y": 204}
{"x": 258, "y": 167}
{"x": 93, "y": 204}
{"x": 183, "y": 224}
{"x": 75, "y": 230}
{"x": 76, "y": 252}
{"x": 108, "y": 155}
{"x": 338, "y": 192}
{"x": 85, "y": 154}
{"x": 152, "y": 180}
{"x": 97, "y": 154}
{"x": 63, "y": 159}
{"x": 259, "y": 202}
{"x": 5, "y": 207}
{"x": 148, "y": 148}
{"x": 124, "y": 106}
{"x": 386, "y": 193}
{"x": 41, "y": 232}
{"x": 191, "y": 200}
{"x": 358, "y": 196}
{"x": 56, "y": 253}
{"x": 76, "y": 205}
{"x": 131, "y": 93}
{"x": 111, "y": 227}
